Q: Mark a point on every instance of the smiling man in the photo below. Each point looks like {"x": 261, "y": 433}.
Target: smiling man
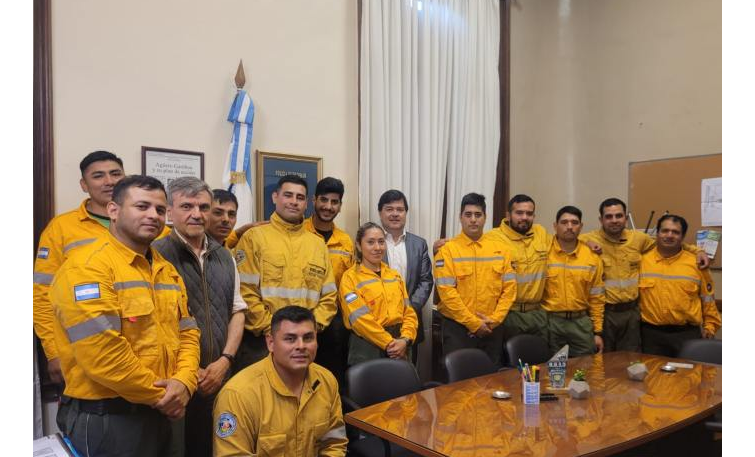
{"x": 213, "y": 287}
{"x": 283, "y": 264}
{"x": 476, "y": 284}
{"x": 676, "y": 297}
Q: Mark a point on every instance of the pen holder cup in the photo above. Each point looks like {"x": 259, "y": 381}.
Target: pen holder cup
{"x": 530, "y": 393}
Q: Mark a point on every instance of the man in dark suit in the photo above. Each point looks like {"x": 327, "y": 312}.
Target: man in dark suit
{"x": 406, "y": 253}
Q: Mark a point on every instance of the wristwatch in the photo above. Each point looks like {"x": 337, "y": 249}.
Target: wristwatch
{"x": 230, "y": 357}
{"x": 408, "y": 341}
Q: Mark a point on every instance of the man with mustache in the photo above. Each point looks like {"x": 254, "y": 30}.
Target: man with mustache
{"x": 574, "y": 295}
{"x": 476, "y": 284}
{"x": 212, "y": 284}
{"x": 222, "y": 219}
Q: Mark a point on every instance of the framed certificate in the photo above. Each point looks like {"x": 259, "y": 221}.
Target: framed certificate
{"x": 271, "y": 166}
{"x": 169, "y": 164}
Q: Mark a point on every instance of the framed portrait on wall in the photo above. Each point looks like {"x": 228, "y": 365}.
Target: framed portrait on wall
{"x": 169, "y": 164}
{"x": 271, "y": 166}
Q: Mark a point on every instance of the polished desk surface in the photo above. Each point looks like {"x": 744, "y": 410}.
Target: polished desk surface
{"x": 463, "y": 419}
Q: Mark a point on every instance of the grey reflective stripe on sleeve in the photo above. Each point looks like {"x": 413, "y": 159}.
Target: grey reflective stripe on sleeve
{"x": 672, "y": 277}
{"x": 385, "y": 281}
{"x": 335, "y": 434}
{"x": 93, "y": 326}
{"x": 529, "y": 278}
{"x": 187, "y": 323}
{"x": 43, "y": 278}
{"x": 407, "y": 302}
{"x": 77, "y": 244}
{"x": 446, "y": 281}
{"x": 364, "y": 283}
{"x": 597, "y": 290}
{"x": 707, "y": 298}
{"x": 508, "y": 276}
{"x": 571, "y": 267}
{"x": 357, "y": 313}
{"x": 130, "y": 285}
{"x": 248, "y": 278}
{"x": 328, "y": 288}
{"x": 621, "y": 283}
{"x": 161, "y": 286}
{"x": 339, "y": 252}
{"x": 285, "y": 292}
{"x": 477, "y": 259}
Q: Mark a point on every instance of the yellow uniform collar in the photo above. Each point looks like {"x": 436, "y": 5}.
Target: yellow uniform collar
{"x": 279, "y": 223}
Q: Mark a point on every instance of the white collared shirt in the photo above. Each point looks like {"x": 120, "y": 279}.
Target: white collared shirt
{"x": 238, "y": 302}
{"x": 397, "y": 253}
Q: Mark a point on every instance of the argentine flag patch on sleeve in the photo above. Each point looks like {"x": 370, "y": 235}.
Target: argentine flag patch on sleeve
{"x": 43, "y": 253}
{"x": 439, "y": 263}
{"x": 350, "y": 297}
{"x": 86, "y": 291}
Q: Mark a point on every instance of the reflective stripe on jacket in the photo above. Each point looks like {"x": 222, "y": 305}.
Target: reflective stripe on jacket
{"x": 122, "y": 324}
{"x": 474, "y": 277}
{"x": 340, "y": 249}
{"x": 255, "y": 414}
{"x": 529, "y": 255}
{"x": 282, "y": 264}
{"x": 575, "y": 282}
{"x": 673, "y": 291}
{"x": 371, "y": 302}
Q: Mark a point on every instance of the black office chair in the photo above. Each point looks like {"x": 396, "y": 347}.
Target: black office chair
{"x": 530, "y": 348}
{"x": 702, "y": 350}
{"x": 373, "y": 382}
{"x": 468, "y": 363}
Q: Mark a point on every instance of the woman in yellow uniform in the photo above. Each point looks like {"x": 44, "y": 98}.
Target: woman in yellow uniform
{"x": 374, "y": 303}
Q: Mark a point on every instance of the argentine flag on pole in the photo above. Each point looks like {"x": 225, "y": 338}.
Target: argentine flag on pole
{"x": 237, "y": 174}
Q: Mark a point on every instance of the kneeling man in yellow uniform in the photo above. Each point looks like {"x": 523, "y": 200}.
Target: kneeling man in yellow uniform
{"x": 283, "y": 405}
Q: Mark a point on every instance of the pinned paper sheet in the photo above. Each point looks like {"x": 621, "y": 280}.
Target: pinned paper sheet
{"x": 711, "y": 202}
{"x": 708, "y": 240}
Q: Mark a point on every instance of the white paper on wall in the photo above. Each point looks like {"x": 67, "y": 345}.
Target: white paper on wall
{"x": 711, "y": 202}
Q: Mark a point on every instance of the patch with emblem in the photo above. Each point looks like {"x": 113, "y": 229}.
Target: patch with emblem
{"x": 239, "y": 256}
{"x": 439, "y": 263}
{"x": 86, "y": 291}
{"x": 43, "y": 253}
{"x": 350, "y": 297}
{"x": 316, "y": 270}
{"x": 709, "y": 286}
{"x": 226, "y": 425}
{"x": 513, "y": 264}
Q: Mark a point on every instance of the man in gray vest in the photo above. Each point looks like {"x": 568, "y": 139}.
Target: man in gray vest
{"x": 212, "y": 283}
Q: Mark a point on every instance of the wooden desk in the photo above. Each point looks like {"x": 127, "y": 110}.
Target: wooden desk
{"x": 463, "y": 419}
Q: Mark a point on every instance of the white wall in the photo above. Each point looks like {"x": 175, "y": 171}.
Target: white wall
{"x": 160, "y": 73}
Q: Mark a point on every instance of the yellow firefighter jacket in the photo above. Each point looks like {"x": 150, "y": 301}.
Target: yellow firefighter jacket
{"x": 340, "y": 249}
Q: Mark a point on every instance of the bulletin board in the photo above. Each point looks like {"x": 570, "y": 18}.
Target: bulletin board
{"x": 673, "y": 185}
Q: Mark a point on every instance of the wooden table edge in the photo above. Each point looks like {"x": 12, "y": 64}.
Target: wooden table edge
{"x": 414, "y": 447}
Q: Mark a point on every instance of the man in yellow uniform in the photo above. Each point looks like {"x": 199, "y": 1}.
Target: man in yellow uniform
{"x": 128, "y": 347}
{"x": 222, "y": 219}
{"x": 527, "y": 244}
{"x": 476, "y": 284}
{"x": 327, "y": 203}
{"x": 282, "y": 264}
{"x": 283, "y": 405}
{"x": 100, "y": 171}
{"x": 621, "y": 250}
{"x": 574, "y": 295}
{"x": 676, "y": 298}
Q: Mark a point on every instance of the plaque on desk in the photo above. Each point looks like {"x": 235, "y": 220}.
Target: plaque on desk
{"x": 557, "y": 368}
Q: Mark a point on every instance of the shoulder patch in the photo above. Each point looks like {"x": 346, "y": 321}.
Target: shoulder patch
{"x": 439, "y": 263}
{"x": 86, "y": 291}
{"x": 226, "y": 425}
{"x": 43, "y": 253}
{"x": 239, "y": 256}
{"x": 350, "y": 297}
{"x": 709, "y": 286}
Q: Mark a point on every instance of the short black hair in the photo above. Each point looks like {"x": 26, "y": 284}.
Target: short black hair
{"x": 520, "y": 198}
{"x": 390, "y": 196}
{"x": 224, "y": 196}
{"x": 142, "y": 182}
{"x": 330, "y": 185}
{"x": 674, "y": 218}
{"x": 292, "y": 313}
{"x": 98, "y": 156}
{"x": 473, "y": 199}
{"x": 612, "y": 202}
{"x": 295, "y": 179}
{"x": 569, "y": 210}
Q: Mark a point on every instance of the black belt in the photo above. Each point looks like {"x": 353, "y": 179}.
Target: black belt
{"x": 109, "y": 406}
{"x": 524, "y": 307}
{"x": 671, "y": 328}
{"x": 619, "y": 307}
{"x": 569, "y": 314}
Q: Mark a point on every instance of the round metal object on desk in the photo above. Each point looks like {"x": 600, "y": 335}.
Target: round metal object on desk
{"x": 668, "y": 368}
{"x": 501, "y": 395}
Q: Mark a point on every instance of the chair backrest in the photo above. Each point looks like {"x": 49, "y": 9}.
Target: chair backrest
{"x": 468, "y": 363}
{"x": 379, "y": 380}
{"x": 702, "y": 350}
{"x": 530, "y": 348}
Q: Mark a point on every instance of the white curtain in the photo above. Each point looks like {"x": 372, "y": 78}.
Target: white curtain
{"x": 429, "y": 106}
